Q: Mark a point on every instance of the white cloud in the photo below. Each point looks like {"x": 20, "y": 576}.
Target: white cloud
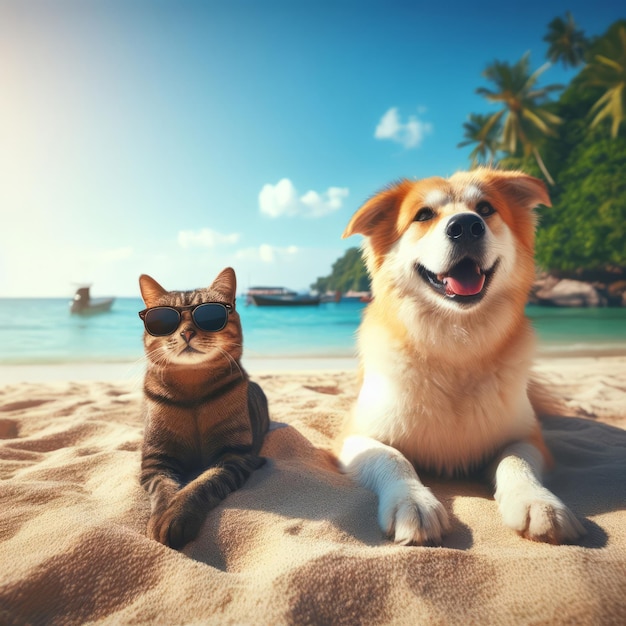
{"x": 282, "y": 200}
{"x": 329, "y": 201}
{"x": 410, "y": 133}
{"x": 265, "y": 253}
{"x": 205, "y": 238}
{"x": 279, "y": 199}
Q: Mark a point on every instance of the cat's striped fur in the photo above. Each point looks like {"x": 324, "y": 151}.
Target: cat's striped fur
{"x": 204, "y": 419}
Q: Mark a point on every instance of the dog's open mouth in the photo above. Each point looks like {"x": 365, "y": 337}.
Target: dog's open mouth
{"x": 466, "y": 282}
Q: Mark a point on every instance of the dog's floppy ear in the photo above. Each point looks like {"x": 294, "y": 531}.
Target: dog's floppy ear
{"x": 526, "y": 190}
{"x": 377, "y": 208}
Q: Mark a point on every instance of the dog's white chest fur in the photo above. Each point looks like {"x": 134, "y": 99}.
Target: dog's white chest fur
{"x": 442, "y": 418}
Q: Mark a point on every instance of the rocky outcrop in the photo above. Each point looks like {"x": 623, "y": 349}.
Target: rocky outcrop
{"x": 616, "y": 293}
{"x": 550, "y": 290}
{"x": 571, "y": 293}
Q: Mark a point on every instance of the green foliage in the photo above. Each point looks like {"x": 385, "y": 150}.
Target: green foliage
{"x": 348, "y": 273}
{"x": 607, "y": 69}
{"x": 585, "y": 229}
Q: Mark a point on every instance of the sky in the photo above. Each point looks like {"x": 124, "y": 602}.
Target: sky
{"x": 176, "y": 138}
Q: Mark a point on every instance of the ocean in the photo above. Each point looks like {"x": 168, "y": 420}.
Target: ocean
{"x": 42, "y": 331}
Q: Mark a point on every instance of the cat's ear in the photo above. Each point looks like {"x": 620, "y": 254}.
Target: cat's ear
{"x": 226, "y": 284}
{"x": 151, "y": 291}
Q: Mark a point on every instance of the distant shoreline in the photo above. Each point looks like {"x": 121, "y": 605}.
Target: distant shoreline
{"x": 117, "y": 371}
{"x": 133, "y": 371}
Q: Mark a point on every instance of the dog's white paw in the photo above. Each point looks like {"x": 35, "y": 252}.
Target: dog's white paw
{"x": 409, "y": 513}
{"x": 537, "y": 514}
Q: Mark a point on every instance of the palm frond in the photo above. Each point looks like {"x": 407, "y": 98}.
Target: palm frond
{"x": 539, "y": 123}
{"x": 609, "y": 62}
{"x": 523, "y": 118}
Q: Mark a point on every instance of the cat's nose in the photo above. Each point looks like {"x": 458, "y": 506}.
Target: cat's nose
{"x": 187, "y": 334}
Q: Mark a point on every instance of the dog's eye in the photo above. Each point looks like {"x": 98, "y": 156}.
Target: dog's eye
{"x": 425, "y": 214}
{"x": 484, "y": 209}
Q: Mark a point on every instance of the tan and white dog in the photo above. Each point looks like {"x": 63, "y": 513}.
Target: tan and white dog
{"x": 445, "y": 353}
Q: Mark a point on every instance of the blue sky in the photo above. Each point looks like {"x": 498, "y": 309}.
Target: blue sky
{"x": 175, "y": 138}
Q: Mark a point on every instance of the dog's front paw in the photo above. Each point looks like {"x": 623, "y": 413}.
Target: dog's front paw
{"x": 410, "y": 514}
{"x": 539, "y": 515}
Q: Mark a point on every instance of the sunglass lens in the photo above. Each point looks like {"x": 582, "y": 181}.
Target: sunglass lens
{"x": 210, "y": 317}
{"x": 162, "y": 321}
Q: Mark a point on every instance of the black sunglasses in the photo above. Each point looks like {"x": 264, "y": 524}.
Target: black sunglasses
{"x": 164, "y": 320}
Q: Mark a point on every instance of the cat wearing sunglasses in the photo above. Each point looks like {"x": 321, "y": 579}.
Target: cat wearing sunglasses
{"x": 205, "y": 420}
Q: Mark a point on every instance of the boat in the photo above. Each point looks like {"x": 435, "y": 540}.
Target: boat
{"x": 357, "y": 296}
{"x": 84, "y": 304}
{"x": 280, "y": 296}
{"x": 331, "y": 296}
{"x": 348, "y": 296}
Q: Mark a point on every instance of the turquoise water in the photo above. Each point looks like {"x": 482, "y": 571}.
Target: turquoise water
{"x": 39, "y": 331}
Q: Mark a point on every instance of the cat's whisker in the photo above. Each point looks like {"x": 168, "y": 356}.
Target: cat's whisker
{"x": 255, "y": 353}
{"x": 231, "y": 345}
{"x": 231, "y": 361}
{"x": 157, "y": 359}
{"x": 136, "y": 373}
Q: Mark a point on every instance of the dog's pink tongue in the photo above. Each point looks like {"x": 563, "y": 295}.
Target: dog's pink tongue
{"x": 465, "y": 279}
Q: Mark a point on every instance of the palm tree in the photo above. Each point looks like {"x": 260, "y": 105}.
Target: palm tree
{"x": 607, "y": 69}
{"x": 523, "y": 118}
{"x": 566, "y": 43}
{"x": 480, "y": 130}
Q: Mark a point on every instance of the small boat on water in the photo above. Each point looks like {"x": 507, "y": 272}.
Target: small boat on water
{"x": 348, "y": 296}
{"x": 84, "y": 304}
{"x": 361, "y": 296}
{"x": 280, "y": 296}
{"x": 331, "y": 296}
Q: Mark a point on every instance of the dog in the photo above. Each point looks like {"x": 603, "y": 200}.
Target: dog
{"x": 445, "y": 352}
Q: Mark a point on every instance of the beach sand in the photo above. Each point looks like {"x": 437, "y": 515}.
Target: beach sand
{"x": 299, "y": 543}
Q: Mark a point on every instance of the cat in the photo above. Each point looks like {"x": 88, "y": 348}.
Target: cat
{"x": 205, "y": 421}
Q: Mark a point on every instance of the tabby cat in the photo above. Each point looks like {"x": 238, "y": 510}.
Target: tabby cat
{"x": 204, "y": 419}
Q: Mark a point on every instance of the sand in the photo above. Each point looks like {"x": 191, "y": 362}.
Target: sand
{"x": 299, "y": 543}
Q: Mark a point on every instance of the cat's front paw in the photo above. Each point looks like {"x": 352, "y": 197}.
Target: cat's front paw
{"x": 410, "y": 514}
{"x": 177, "y": 525}
{"x": 537, "y": 514}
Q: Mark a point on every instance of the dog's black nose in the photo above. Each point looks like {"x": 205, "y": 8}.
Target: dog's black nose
{"x": 465, "y": 227}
